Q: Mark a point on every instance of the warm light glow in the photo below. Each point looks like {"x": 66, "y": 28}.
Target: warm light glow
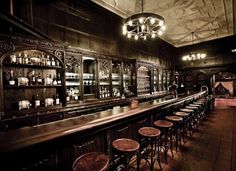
{"x": 144, "y": 25}
{"x": 141, "y": 19}
{"x": 152, "y": 20}
{"x": 194, "y": 56}
{"x": 153, "y": 35}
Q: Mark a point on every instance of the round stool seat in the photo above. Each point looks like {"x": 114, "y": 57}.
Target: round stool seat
{"x": 195, "y": 105}
{"x": 198, "y": 103}
{"x": 186, "y": 110}
{"x": 91, "y": 161}
{"x": 192, "y": 107}
{"x": 163, "y": 124}
{"x": 174, "y": 118}
{"x": 182, "y": 114}
{"x": 126, "y": 145}
{"x": 149, "y": 132}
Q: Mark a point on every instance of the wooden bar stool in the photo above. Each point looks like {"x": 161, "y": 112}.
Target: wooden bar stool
{"x": 125, "y": 148}
{"x": 150, "y": 147}
{"x": 190, "y": 118}
{"x": 186, "y": 121}
{"x": 177, "y": 129}
{"x": 166, "y": 135}
{"x": 93, "y": 161}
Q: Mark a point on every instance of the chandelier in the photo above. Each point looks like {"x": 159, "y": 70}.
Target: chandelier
{"x": 144, "y": 25}
{"x": 194, "y": 55}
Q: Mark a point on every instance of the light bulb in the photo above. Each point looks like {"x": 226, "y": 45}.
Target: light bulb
{"x": 153, "y": 35}
{"x": 144, "y": 37}
{"x": 152, "y": 20}
{"x": 161, "y": 23}
{"x": 142, "y": 27}
{"x": 129, "y": 35}
{"x": 124, "y": 32}
{"x": 136, "y": 37}
{"x": 130, "y": 22}
{"x": 163, "y": 28}
{"x": 124, "y": 27}
{"x": 141, "y": 19}
{"x": 160, "y": 32}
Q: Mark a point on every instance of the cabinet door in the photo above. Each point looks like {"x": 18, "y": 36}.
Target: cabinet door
{"x": 104, "y": 72}
{"x": 73, "y": 78}
{"x": 31, "y": 79}
{"x": 116, "y": 78}
{"x": 143, "y": 80}
{"x": 89, "y": 78}
{"x": 128, "y": 89}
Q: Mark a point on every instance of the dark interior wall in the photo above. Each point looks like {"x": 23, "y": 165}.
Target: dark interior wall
{"x": 88, "y": 26}
{"x": 218, "y": 53}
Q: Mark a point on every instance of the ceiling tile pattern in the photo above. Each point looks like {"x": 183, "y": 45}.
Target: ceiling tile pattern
{"x": 188, "y": 21}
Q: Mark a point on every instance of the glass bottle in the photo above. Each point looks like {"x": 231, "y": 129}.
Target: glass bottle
{"x": 53, "y": 62}
{"x": 19, "y": 59}
{"x": 59, "y": 79}
{"x": 33, "y": 78}
{"x": 37, "y": 100}
{"x": 26, "y": 59}
{"x": 48, "y": 62}
{"x": 13, "y": 59}
{"x": 54, "y": 80}
{"x": 57, "y": 100}
{"x": 12, "y": 81}
{"x": 39, "y": 79}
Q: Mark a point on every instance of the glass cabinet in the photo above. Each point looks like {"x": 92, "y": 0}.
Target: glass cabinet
{"x": 143, "y": 80}
{"x": 116, "y": 78}
{"x": 89, "y": 78}
{"x": 127, "y": 79}
{"x": 104, "y": 78}
{"x": 31, "y": 79}
{"x": 160, "y": 81}
{"x": 73, "y": 78}
{"x": 155, "y": 79}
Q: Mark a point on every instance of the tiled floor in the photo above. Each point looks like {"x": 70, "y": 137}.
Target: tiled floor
{"x": 212, "y": 147}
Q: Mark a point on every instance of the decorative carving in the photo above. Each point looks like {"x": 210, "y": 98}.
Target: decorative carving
{"x": 73, "y": 62}
{"x": 6, "y": 46}
{"x": 59, "y": 53}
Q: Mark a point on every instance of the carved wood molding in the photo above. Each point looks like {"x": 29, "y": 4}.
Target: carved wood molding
{"x": 6, "y": 47}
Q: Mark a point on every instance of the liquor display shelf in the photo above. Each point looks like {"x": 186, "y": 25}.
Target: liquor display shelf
{"x": 8, "y": 64}
{"x": 30, "y": 86}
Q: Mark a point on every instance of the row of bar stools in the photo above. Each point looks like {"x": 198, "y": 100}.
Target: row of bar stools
{"x": 176, "y": 129}
{"x": 150, "y": 148}
{"x": 93, "y": 161}
{"x": 166, "y": 135}
{"x": 125, "y": 148}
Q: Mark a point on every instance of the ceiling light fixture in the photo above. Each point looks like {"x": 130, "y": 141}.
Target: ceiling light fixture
{"x": 144, "y": 25}
{"x": 194, "y": 55}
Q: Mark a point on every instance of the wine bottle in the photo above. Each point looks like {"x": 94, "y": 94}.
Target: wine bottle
{"x": 19, "y": 59}
{"x": 54, "y": 80}
{"x": 57, "y": 100}
{"x": 53, "y": 62}
{"x": 26, "y": 59}
{"x": 37, "y": 101}
{"x": 39, "y": 79}
{"x": 33, "y": 78}
{"x": 59, "y": 79}
{"x": 12, "y": 81}
{"x": 48, "y": 62}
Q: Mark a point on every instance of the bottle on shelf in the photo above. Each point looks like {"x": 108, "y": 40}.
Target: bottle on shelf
{"x": 37, "y": 100}
{"x": 26, "y": 59}
{"x": 19, "y": 59}
{"x": 59, "y": 79}
{"x": 12, "y": 81}
{"x": 67, "y": 96}
{"x": 53, "y": 62}
{"x": 57, "y": 100}
{"x": 39, "y": 79}
{"x": 43, "y": 60}
{"x": 48, "y": 62}
{"x": 13, "y": 58}
{"x": 54, "y": 82}
{"x": 33, "y": 78}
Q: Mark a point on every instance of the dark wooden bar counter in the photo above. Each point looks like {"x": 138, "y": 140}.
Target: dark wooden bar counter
{"x": 55, "y": 145}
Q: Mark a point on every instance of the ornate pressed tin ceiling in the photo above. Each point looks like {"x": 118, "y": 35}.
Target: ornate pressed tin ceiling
{"x": 208, "y": 19}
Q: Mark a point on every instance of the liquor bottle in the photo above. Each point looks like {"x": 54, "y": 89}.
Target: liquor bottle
{"x": 13, "y": 59}
{"x": 67, "y": 97}
{"x": 37, "y": 101}
{"x": 12, "y": 81}
{"x": 48, "y": 62}
{"x": 59, "y": 79}
{"x": 54, "y": 82}
{"x": 26, "y": 59}
{"x": 57, "y": 100}
{"x": 43, "y": 60}
{"x": 53, "y": 63}
{"x": 19, "y": 59}
{"x": 33, "y": 78}
{"x": 39, "y": 79}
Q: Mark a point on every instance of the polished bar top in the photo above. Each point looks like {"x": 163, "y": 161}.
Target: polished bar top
{"x": 27, "y": 136}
